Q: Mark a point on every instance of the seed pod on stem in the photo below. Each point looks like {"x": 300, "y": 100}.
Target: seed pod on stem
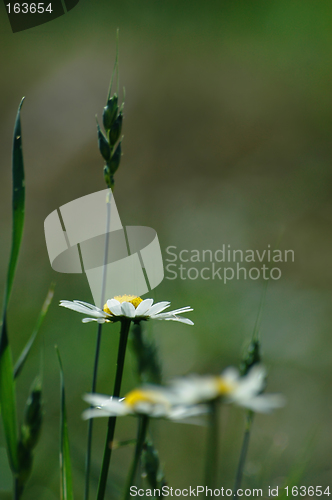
{"x": 103, "y": 145}
{"x": 110, "y": 112}
{"x": 115, "y": 131}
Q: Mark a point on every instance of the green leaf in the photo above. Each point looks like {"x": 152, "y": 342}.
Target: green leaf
{"x": 66, "y": 484}
{"x": 7, "y": 389}
{"x": 24, "y": 354}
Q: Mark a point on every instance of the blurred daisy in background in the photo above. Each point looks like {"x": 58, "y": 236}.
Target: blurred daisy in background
{"x": 154, "y": 401}
{"x": 231, "y": 387}
{"x": 188, "y": 396}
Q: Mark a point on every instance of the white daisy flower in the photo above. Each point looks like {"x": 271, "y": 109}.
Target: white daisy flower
{"x": 244, "y": 391}
{"x": 127, "y": 306}
{"x": 157, "y": 402}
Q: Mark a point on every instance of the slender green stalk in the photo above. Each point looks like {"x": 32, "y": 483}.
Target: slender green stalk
{"x": 211, "y": 465}
{"x": 141, "y": 435}
{"x": 243, "y": 454}
{"x": 96, "y": 362}
{"x": 253, "y": 356}
{"x": 125, "y": 325}
{"x": 116, "y": 68}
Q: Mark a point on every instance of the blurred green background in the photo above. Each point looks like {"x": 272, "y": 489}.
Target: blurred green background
{"x": 227, "y": 131}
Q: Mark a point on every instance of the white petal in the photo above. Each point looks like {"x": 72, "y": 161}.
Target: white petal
{"x": 195, "y": 389}
{"x": 128, "y": 310}
{"x": 143, "y": 307}
{"x": 115, "y": 309}
{"x": 75, "y": 307}
{"x": 179, "y": 319}
{"x": 90, "y": 308}
{"x": 263, "y": 403}
{"x": 84, "y": 308}
{"x": 174, "y": 313}
{"x": 96, "y": 399}
{"x": 159, "y": 411}
{"x": 94, "y": 412}
{"x": 112, "y": 302}
{"x": 184, "y": 412}
{"x": 98, "y": 320}
{"x": 231, "y": 375}
{"x": 181, "y": 310}
{"x": 113, "y": 406}
{"x": 154, "y": 410}
{"x": 253, "y": 383}
{"x": 86, "y": 304}
{"x": 157, "y": 308}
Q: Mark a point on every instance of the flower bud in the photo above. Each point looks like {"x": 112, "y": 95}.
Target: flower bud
{"x": 110, "y": 112}
{"x": 115, "y": 130}
{"x": 115, "y": 159}
{"x": 151, "y": 466}
{"x": 251, "y": 358}
{"x": 103, "y": 145}
{"x": 29, "y": 434}
{"x": 33, "y": 416}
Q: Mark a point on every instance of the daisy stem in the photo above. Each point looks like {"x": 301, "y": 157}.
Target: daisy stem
{"x": 125, "y": 325}
{"x": 243, "y": 454}
{"x": 141, "y": 435}
{"x": 211, "y": 465}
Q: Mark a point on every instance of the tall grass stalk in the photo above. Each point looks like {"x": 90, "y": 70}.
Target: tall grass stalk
{"x": 252, "y": 357}
{"x": 244, "y": 452}
{"x": 96, "y": 361}
{"x": 112, "y": 159}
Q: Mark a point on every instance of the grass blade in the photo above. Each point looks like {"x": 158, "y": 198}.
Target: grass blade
{"x": 24, "y": 354}
{"x": 7, "y": 398}
{"x": 66, "y": 484}
{"x": 18, "y": 203}
{"x": 7, "y": 389}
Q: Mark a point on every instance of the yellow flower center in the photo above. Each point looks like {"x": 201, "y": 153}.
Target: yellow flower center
{"x": 140, "y": 396}
{"x": 223, "y": 387}
{"x": 125, "y": 298}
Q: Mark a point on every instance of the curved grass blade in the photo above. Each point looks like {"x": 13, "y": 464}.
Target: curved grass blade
{"x": 7, "y": 389}
{"x": 18, "y": 203}
{"x": 24, "y": 354}
{"x": 66, "y": 484}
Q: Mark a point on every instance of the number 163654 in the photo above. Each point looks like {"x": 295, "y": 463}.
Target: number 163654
{"x": 305, "y": 491}
{"x": 32, "y": 8}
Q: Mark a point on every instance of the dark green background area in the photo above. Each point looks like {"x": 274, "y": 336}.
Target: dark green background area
{"x": 227, "y": 141}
